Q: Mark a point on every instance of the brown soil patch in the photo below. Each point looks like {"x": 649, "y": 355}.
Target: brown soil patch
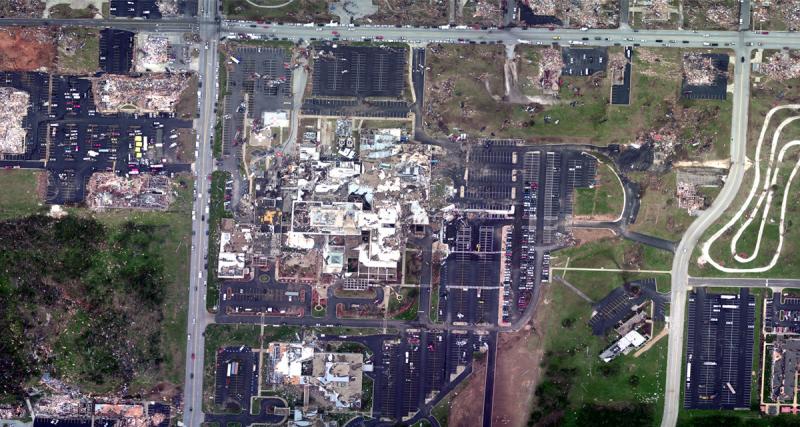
{"x": 596, "y": 217}
{"x": 163, "y": 391}
{"x": 466, "y": 409}
{"x": 588, "y": 235}
{"x": 41, "y": 185}
{"x": 519, "y": 358}
{"x": 26, "y": 49}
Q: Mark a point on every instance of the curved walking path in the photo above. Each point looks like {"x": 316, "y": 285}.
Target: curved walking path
{"x": 764, "y": 200}
{"x": 274, "y": 6}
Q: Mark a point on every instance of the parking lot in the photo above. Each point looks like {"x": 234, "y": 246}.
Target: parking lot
{"x": 359, "y": 71}
{"x": 64, "y": 127}
{"x": 621, "y": 93}
{"x": 584, "y": 61}
{"x": 258, "y": 81}
{"x": 782, "y": 314}
{"x": 236, "y": 378}
{"x": 263, "y": 296}
{"x": 719, "y": 351}
{"x": 116, "y": 51}
{"x": 619, "y": 303}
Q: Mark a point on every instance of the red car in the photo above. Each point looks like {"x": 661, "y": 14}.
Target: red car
{"x": 378, "y": 37}
{"x": 335, "y": 33}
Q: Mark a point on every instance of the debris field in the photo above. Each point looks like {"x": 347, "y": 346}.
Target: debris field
{"x": 107, "y": 190}
{"x": 700, "y": 70}
{"x": 26, "y": 48}
{"x": 781, "y": 66}
{"x": 12, "y": 112}
{"x": 156, "y": 92}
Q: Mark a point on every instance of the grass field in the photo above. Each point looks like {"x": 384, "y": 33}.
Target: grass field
{"x": 571, "y": 350}
{"x": 764, "y": 95}
{"x": 605, "y": 198}
{"x": 83, "y": 57}
{"x": 659, "y": 214}
{"x": 64, "y": 11}
{"x": 616, "y": 253}
{"x": 297, "y": 11}
{"x": 19, "y": 196}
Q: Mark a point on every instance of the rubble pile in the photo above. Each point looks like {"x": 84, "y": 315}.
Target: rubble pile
{"x": 542, "y": 7}
{"x": 550, "y": 67}
{"x": 689, "y": 199}
{"x": 106, "y": 190}
{"x": 22, "y": 8}
{"x": 657, "y": 10}
{"x": 789, "y": 11}
{"x": 589, "y": 13}
{"x": 152, "y": 51}
{"x": 167, "y": 7}
{"x": 699, "y": 70}
{"x": 156, "y": 92}
{"x": 69, "y": 42}
{"x": 616, "y": 66}
{"x": 781, "y": 66}
{"x": 13, "y": 109}
{"x": 487, "y": 9}
{"x": 721, "y": 15}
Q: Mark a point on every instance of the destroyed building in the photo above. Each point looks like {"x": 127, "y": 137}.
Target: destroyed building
{"x": 12, "y": 114}
{"x": 107, "y": 190}
{"x": 550, "y": 66}
{"x": 336, "y": 378}
{"x": 156, "y": 92}
{"x": 152, "y": 53}
{"x": 781, "y": 66}
{"x": 235, "y": 246}
{"x": 701, "y": 69}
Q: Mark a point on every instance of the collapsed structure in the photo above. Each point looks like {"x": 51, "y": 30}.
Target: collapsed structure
{"x": 579, "y": 13}
{"x": 107, "y": 190}
{"x": 12, "y": 112}
{"x": 654, "y": 10}
{"x": 335, "y": 378}
{"x": 152, "y": 52}
{"x": 789, "y": 11}
{"x": 700, "y": 69}
{"x": 156, "y": 92}
{"x": 550, "y": 66}
{"x": 781, "y": 66}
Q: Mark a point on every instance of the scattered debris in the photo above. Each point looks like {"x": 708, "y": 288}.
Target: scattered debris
{"x": 27, "y": 48}
{"x": 168, "y": 7}
{"x": 781, "y": 66}
{"x": 12, "y": 112}
{"x": 106, "y": 190}
{"x": 787, "y": 10}
{"x": 22, "y": 8}
{"x": 689, "y": 199}
{"x": 152, "y": 52}
{"x": 578, "y": 13}
{"x": 723, "y": 16}
{"x": 155, "y": 92}
{"x": 700, "y": 70}
{"x": 654, "y": 10}
{"x": 550, "y": 67}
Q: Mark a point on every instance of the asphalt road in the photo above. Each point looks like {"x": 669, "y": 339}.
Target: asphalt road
{"x": 197, "y": 315}
{"x": 680, "y": 264}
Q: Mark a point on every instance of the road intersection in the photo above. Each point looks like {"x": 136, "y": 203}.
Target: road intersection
{"x": 211, "y": 29}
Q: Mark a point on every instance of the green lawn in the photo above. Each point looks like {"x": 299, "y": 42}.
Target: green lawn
{"x": 84, "y": 60}
{"x": 573, "y": 370}
{"x": 605, "y": 198}
{"x": 659, "y": 214}
{"x": 19, "y": 196}
{"x": 216, "y": 213}
{"x": 616, "y": 252}
{"x": 298, "y": 11}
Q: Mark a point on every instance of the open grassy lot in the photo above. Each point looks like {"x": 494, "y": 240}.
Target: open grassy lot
{"x": 597, "y": 284}
{"x": 219, "y": 336}
{"x": 765, "y": 94}
{"x": 614, "y": 253}
{"x": 79, "y": 50}
{"x": 604, "y": 200}
{"x": 468, "y": 97}
{"x": 19, "y": 196}
{"x": 580, "y": 389}
{"x": 65, "y": 11}
{"x": 659, "y": 214}
{"x": 296, "y": 11}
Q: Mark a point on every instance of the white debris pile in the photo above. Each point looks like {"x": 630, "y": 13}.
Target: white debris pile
{"x": 106, "y": 190}
{"x": 13, "y": 109}
{"x": 699, "y": 69}
{"x": 787, "y": 10}
{"x": 156, "y": 92}
{"x": 550, "y": 67}
{"x": 152, "y": 52}
{"x": 781, "y": 66}
{"x": 589, "y": 13}
{"x": 487, "y": 9}
{"x": 721, "y": 15}
{"x": 167, "y": 7}
{"x": 689, "y": 199}
{"x": 656, "y": 10}
{"x": 542, "y": 7}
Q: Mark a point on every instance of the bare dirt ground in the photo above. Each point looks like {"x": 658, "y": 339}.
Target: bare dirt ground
{"x": 26, "y": 49}
{"x": 466, "y": 409}
{"x": 588, "y": 235}
{"x": 519, "y": 359}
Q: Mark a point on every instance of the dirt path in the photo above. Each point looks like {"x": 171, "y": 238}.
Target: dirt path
{"x": 466, "y": 409}
{"x": 519, "y": 356}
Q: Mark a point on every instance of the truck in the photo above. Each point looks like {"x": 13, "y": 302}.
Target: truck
{"x": 234, "y": 59}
